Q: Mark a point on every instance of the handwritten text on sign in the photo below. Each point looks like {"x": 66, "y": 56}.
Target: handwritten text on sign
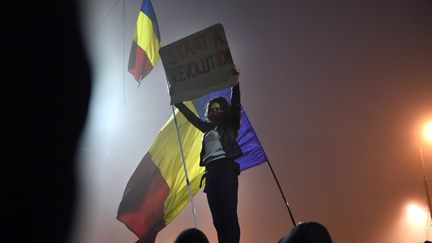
{"x": 198, "y": 64}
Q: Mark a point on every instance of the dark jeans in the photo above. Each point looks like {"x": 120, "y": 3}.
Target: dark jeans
{"x": 221, "y": 188}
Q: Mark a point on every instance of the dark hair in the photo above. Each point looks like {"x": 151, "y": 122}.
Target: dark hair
{"x": 308, "y": 232}
{"x": 191, "y": 235}
{"x": 223, "y": 104}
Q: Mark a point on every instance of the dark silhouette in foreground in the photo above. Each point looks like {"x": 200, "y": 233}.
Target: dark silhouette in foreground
{"x": 307, "y": 232}
{"x": 191, "y": 235}
{"x": 50, "y": 89}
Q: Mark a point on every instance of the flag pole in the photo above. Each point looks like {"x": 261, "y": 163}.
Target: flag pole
{"x": 425, "y": 181}
{"x": 282, "y": 194}
{"x": 185, "y": 169}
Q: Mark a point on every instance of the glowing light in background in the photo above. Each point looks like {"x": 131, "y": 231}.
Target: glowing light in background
{"x": 427, "y": 132}
{"x": 417, "y": 222}
{"x": 416, "y": 215}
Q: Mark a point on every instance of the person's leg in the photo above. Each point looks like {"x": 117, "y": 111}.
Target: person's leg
{"x": 215, "y": 204}
{"x": 230, "y": 219}
{"x": 223, "y": 196}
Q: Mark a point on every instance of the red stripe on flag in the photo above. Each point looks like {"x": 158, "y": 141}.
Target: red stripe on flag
{"x": 139, "y": 63}
{"x": 142, "y": 205}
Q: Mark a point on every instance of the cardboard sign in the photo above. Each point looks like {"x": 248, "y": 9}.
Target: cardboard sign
{"x": 198, "y": 64}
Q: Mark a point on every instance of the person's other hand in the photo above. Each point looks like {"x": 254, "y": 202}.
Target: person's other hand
{"x": 236, "y": 70}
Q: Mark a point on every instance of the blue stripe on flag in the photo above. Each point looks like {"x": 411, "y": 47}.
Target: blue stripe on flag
{"x": 147, "y": 9}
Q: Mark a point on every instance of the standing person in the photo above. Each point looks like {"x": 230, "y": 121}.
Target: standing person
{"x": 219, "y": 150}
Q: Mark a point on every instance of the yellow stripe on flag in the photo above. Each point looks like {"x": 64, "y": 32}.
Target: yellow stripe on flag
{"x": 144, "y": 29}
{"x": 165, "y": 152}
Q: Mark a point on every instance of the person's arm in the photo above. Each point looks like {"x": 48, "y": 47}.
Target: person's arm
{"x": 192, "y": 118}
{"x": 235, "y": 104}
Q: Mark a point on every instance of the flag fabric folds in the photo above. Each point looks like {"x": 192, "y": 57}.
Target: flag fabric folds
{"x": 146, "y": 43}
{"x": 156, "y": 192}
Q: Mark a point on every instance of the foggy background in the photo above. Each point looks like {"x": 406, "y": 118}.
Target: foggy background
{"x": 337, "y": 92}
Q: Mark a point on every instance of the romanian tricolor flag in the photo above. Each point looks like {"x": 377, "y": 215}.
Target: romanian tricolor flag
{"x": 145, "y": 46}
{"x": 157, "y": 192}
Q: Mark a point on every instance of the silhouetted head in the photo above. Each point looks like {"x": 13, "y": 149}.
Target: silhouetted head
{"x": 308, "y": 232}
{"x": 191, "y": 235}
{"x": 217, "y": 110}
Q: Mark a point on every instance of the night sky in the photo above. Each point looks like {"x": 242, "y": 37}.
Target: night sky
{"x": 337, "y": 92}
